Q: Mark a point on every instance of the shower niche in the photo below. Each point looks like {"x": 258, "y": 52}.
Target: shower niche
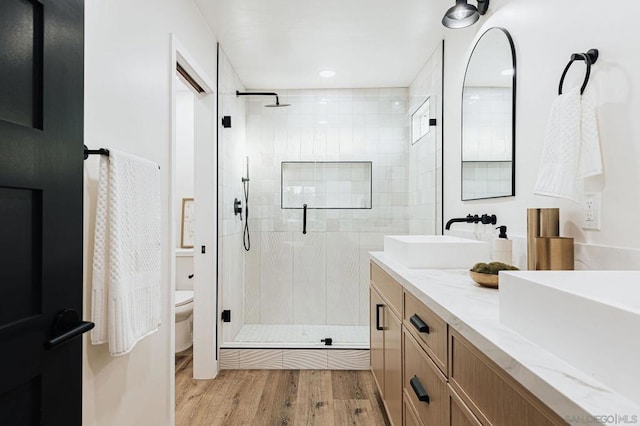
{"x": 326, "y": 184}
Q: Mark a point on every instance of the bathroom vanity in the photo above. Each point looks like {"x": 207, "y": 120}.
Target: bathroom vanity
{"x": 441, "y": 356}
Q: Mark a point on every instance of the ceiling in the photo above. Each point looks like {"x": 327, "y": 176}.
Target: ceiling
{"x": 284, "y": 44}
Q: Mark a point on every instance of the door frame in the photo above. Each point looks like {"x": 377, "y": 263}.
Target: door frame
{"x": 205, "y": 365}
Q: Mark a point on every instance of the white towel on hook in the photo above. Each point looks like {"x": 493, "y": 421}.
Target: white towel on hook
{"x": 126, "y": 258}
{"x": 571, "y": 146}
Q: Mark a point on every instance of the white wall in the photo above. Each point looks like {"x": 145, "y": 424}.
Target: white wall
{"x": 545, "y": 34}
{"x": 128, "y": 74}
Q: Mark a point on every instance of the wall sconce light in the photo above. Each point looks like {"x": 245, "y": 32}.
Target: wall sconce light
{"x": 462, "y": 14}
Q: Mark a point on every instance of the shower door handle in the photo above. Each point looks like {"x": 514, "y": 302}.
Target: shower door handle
{"x": 304, "y": 218}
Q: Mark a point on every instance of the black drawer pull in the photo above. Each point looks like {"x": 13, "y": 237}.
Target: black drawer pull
{"x": 419, "y": 389}
{"x": 420, "y": 325}
{"x": 378, "y": 326}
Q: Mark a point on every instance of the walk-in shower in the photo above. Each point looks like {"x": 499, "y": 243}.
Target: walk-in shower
{"x": 322, "y": 196}
{"x": 343, "y": 157}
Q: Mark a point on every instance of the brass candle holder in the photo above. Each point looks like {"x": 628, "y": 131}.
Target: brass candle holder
{"x": 546, "y": 249}
{"x": 554, "y": 254}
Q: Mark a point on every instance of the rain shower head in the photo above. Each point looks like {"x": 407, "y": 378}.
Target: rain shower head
{"x": 276, "y": 105}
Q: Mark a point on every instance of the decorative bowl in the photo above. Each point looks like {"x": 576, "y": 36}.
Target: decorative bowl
{"x": 485, "y": 280}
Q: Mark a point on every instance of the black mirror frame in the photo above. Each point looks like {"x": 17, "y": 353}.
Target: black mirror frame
{"x": 513, "y": 117}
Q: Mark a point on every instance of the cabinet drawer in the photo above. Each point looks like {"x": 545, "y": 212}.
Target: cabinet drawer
{"x": 459, "y": 413}
{"x": 388, "y": 288}
{"x": 410, "y": 415}
{"x": 434, "y": 330}
{"x": 422, "y": 377}
{"x": 491, "y": 394}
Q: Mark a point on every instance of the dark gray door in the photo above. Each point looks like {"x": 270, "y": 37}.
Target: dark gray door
{"x": 41, "y": 107}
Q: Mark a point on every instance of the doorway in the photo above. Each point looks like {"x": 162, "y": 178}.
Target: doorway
{"x": 193, "y": 98}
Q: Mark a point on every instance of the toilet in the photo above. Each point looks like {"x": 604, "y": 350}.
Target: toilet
{"x": 184, "y": 299}
{"x": 184, "y": 319}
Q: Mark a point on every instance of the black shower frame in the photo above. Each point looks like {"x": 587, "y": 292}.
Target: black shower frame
{"x": 326, "y": 162}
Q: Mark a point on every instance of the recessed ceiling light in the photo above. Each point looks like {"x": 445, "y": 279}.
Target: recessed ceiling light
{"x": 327, "y": 73}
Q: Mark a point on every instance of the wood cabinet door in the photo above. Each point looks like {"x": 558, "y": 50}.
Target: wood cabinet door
{"x": 490, "y": 393}
{"x": 459, "y": 413}
{"x": 376, "y": 327}
{"x": 425, "y": 386}
{"x": 410, "y": 417}
{"x": 393, "y": 366}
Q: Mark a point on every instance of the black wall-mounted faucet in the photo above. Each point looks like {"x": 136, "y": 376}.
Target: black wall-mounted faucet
{"x": 237, "y": 209}
{"x": 485, "y": 219}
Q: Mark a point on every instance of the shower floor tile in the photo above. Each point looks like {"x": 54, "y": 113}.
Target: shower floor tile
{"x": 300, "y": 336}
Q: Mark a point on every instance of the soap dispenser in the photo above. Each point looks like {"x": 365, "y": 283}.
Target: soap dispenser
{"x": 502, "y": 247}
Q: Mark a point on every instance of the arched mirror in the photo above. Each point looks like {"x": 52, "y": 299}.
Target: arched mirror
{"x": 488, "y": 118}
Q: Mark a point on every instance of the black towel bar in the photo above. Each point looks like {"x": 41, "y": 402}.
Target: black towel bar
{"x": 590, "y": 58}
{"x": 100, "y": 151}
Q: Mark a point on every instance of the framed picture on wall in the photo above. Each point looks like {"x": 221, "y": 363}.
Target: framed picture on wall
{"x": 186, "y": 234}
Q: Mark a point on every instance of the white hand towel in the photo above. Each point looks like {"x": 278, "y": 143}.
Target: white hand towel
{"x": 126, "y": 259}
{"x": 571, "y": 146}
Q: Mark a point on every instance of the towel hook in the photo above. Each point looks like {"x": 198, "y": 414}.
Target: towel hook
{"x": 590, "y": 58}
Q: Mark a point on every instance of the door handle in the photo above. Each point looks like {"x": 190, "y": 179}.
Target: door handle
{"x": 420, "y": 325}
{"x": 304, "y": 218}
{"x": 378, "y": 326}
{"x": 67, "y": 326}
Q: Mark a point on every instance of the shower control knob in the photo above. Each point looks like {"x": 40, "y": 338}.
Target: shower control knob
{"x": 236, "y": 207}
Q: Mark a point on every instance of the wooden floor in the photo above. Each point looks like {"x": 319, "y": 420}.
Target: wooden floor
{"x": 277, "y": 397}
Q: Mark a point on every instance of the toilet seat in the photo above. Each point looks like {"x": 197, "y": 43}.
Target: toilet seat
{"x": 183, "y": 297}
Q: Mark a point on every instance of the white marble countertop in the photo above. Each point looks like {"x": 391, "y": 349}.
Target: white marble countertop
{"x": 473, "y": 311}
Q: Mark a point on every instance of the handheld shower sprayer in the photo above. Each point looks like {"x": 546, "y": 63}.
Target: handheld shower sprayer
{"x": 246, "y": 240}
{"x": 246, "y": 179}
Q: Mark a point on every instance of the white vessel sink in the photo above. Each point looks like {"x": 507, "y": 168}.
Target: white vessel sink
{"x": 591, "y": 319}
{"x": 435, "y": 251}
